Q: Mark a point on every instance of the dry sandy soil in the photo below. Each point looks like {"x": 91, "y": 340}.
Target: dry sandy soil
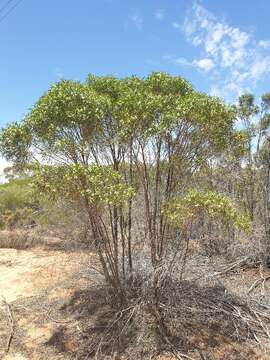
{"x": 34, "y": 285}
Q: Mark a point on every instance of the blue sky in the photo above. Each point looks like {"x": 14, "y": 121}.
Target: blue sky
{"x": 222, "y": 47}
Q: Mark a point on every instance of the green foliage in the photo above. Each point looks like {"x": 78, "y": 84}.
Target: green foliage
{"x": 17, "y": 218}
{"x": 15, "y": 143}
{"x": 66, "y": 119}
{"x": 140, "y": 107}
{"x": 246, "y": 106}
{"x": 18, "y": 202}
{"x": 98, "y": 185}
{"x": 78, "y": 124}
{"x": 18, "y": 193}
{"x": 181, "y": 212}
{"x": 238, "y": 146}
{"x": 263, "y": 154}
{"x": 100, "y": 139}
{"x": 265, "y": 102}
{"x": 213, "y": 120}
{"x": 73, "y": 119}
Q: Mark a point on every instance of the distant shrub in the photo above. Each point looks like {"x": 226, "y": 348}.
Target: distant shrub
{"x": 17, "y": 218}
{"x": 18, "y": 203}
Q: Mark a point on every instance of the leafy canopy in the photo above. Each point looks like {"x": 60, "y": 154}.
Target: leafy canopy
{"x": 74, "y": 121}
{"x": 98, "y": 185}
{"x": 76, "y": 128}
{"x": 183, "y": 211}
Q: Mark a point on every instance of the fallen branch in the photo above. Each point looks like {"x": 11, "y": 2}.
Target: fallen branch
{"x": 231, "y": 267}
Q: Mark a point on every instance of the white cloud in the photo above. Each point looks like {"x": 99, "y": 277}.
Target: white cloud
{"x": 204, "y": 64}
{"x": 201, "y": 64}
{"x": 176, "y": 25}
{"x": 235, "y": 60}
{"x": 137, "y": 21}
{"x": 265, "y": 44}
{"x": 183, "y": 62}
{"x": 159, "y": 14}
{"x": 260, "y": 67}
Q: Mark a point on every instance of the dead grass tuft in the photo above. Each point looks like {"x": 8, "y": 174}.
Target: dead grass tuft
{"x": 20, "y": 239}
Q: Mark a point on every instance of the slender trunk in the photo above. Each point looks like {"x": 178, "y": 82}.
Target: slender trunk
{"x": 267, "y": 212}
{"x": 130, "y": 208}
{"x": 155, "y": 234}
{"x": 123, "y": 242}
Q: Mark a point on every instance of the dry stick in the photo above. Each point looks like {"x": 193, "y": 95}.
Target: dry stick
{"x": 263, "y": 281}
{"x": 263, "y": 326}
{"x": 174, "y": 351}
{"x": 98, "y": 343}
{"x": 225, "y": 271}
{"x": 201, "y": 354}
{"x": 257, "y": 282}
{"x": 232, "y": 267}
{"x": 57, "y": 321}
{"x": 180, "y": 356}
{"x": 11, "y": 323}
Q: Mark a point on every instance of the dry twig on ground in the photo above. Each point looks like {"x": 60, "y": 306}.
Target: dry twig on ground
{"x": 11, "y": 323}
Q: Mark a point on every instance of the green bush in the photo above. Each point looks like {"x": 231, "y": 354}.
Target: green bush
{"x": 18, "y": 203}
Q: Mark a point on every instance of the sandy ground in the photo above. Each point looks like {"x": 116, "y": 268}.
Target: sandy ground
{"x": 27, "y": 278}
{"x": 20, "y": 269}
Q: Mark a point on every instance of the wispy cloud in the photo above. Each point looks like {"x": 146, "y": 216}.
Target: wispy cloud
{"x": 159, "y": 14}
{"x": 265, "y": 44}
{"x": 178, "y": 61}
{"x": 137, "y": 21}
{"x": 202, "y": 64}
{"x": 235, "y": 59}
{"x": 58, "y": 73}
{"x": 176, "y": 25}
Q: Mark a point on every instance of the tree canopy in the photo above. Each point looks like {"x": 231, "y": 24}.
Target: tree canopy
{"x": 78, "y": 122}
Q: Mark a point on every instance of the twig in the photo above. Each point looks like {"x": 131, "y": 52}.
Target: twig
{"x": 263, "y": 326}
{"x": 230, "y": 268}
{"x": 180, "y": 355}
{"x": 11, "y": 323}
{"x": 257, "y": 282}
{"x": 201, "y": 355}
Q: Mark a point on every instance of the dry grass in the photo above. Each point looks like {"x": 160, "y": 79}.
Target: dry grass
{"x": 20, "y": 239}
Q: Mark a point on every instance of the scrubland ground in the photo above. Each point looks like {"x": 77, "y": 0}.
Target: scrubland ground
{"x": 35, "y": 284}
{"x": 52, "y": 306}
